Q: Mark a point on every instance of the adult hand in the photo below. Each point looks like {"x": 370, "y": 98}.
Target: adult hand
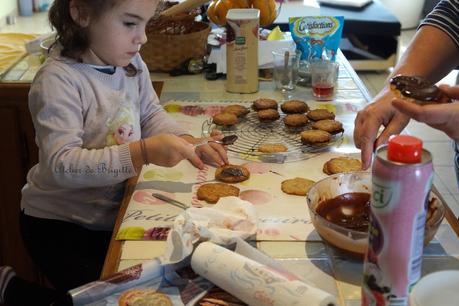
{"x": 371, "y": 118}
{"x": 443, "y": 116}
{"x": 168, "y": 150}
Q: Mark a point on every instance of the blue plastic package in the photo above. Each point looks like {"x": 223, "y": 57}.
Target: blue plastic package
{"x": 317, "y": 36}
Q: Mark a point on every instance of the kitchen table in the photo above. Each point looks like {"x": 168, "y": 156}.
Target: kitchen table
{"x": 314, "y": 260}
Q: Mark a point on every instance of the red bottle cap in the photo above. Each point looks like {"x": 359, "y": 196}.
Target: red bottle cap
{"x": 404, "y": 149}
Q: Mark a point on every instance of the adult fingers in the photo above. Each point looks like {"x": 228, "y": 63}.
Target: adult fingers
{"x": 450, "y": 91}
{"x": 394, "y": 126}
{"x": 365, "y": 130}
{"x": 432, "y": 114}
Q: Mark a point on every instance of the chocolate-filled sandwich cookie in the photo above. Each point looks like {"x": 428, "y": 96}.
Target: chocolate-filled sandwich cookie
{"x": 417, "y": 89}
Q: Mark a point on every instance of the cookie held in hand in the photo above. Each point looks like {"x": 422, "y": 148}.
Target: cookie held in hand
{"x": 212, "y": 192}
{"x": 417, "y": 89}
{"x": 232, "y": 173}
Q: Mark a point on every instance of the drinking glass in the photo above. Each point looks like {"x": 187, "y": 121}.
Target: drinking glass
{"x": 324, "y": 75}
{"x": 285, "y": 71}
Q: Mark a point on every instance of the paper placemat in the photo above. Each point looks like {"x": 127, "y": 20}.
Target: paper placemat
{"x": 281, "y": 216}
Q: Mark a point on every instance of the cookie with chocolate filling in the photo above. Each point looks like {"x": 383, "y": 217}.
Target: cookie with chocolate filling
{"x": 417, "y": 89}
{"x": 232, "y": 173}
{"x": 212, "y": 192}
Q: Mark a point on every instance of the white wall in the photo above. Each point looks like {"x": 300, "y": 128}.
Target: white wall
{"x": 6, "y": 7}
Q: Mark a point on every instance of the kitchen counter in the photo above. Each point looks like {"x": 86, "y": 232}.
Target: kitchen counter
{"x": 36, "y": 24}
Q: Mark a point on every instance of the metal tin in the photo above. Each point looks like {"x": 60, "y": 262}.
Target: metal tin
{"x": 396, "y": 232}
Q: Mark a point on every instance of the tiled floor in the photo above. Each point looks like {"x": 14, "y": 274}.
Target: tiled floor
{"x": 438, "y": 143}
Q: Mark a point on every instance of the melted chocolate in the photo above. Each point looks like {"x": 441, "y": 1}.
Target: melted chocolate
{"x": 350, "y": 210}
{"x": 416, "y": 87}
{"x": 232, "y": 172}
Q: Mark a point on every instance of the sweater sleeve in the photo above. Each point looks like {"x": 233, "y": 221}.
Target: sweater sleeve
{"x": 57, "y": 112}
{"x": 445, "y": 16}
{"x": 153, "y": 118}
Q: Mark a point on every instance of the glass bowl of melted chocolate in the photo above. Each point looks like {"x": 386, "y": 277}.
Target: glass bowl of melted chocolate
{"x": 339, "y": 206}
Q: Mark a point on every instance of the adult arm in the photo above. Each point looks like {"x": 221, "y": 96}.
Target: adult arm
{"x": 431, "y": 54}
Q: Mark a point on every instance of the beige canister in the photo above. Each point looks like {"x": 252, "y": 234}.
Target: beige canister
{"x": 242, "y": 50}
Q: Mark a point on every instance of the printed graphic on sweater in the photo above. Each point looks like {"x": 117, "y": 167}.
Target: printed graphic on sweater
{"x": 120, "y": 127}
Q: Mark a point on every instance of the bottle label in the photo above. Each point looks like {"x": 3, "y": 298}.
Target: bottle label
{"x": 385, "y": 195}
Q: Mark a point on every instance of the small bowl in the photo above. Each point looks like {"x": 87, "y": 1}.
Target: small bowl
{"x": 353, "y": 242}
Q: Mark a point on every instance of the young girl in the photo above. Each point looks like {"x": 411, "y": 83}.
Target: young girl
{"x": 97, "y": 122}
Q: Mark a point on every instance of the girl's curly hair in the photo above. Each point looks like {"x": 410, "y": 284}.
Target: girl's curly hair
{"x": 70, "y": 35}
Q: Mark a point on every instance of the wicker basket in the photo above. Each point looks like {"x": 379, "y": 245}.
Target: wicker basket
{"x": 166, "y": 50}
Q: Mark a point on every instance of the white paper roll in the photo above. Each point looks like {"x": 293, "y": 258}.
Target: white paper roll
{"x": 252, "y": 282}
{"x": 438, "y": 288}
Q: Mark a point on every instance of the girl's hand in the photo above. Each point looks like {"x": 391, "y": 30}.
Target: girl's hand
{"x": 444, "y": 116}
{"x": 168, "y": 150}
{"x": 212, "y": 153}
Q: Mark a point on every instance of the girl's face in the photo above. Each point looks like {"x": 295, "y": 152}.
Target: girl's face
{"x": 116, "y": 37}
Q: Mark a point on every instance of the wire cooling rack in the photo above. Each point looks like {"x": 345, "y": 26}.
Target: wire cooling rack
{"x": 252, "y": 133}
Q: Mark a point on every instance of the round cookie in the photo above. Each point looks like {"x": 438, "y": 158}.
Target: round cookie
{"x": 134, "y": 297}
{"x": 329, "y": 125}
{"x": 342, "y": 164}
{"x": 236, "y": 109}
{"x": 267, "y": 115}
{"x": 261, "y": 104}
{"x": 225, "y": 119}
{"x": 315, "y": 136}
{"x": 320, "y": 114}
{"x": 232, "y": 173}
{"x": 272, "y": 148}
{"x": 417, "y": 89}
{"x": 297, "y": 186}
{"x": 296, "y": 120}
{"x": 294, "y": 107}
{"x": 212, "y": 192}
